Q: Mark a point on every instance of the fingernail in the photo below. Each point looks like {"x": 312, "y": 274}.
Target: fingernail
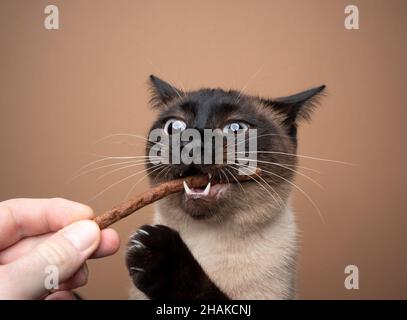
{"x": 82, "y": 234}
{"x": 81, "y": 208}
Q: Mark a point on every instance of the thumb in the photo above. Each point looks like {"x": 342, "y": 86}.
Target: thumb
{"x": 57, "y": 258}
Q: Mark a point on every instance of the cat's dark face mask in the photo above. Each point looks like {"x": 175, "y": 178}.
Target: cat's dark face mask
{"x": 272, "y": 123}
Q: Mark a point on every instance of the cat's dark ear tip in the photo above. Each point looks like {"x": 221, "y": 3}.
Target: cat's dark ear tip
{"x": 321, "y": 90}
{"x": 157, "y": 82}
{"x": 152, "y": 78}
{"x": 318, "y": 89}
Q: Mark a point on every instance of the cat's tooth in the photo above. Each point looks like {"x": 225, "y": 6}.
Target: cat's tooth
{"x": 210, "y": 175}
{"x": 187, "y": 189}
{"x": 207, "y": 189}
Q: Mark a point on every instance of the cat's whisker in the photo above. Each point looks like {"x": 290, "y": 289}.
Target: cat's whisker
{"x": 126, "y": 135}
{"x": 158, "y": 167}
{"x": 151, "y": 159}
{"x": 87, "y": 166}
{"x": 248, "y": 82}
{"x": 301, "y": 156}
{"x": 261, "y": 136}
{"x": 118, "y": 182}
{"x": 237, "y": 181}
{"x": 285, "y": 164}
{"x": 289, "y": 154}
{"x": 290, "y": 169}
{"x": 104, "y": 157}
{"x": 107, "y": 158}
{"x": 121, "y": 168}
{"x": 302, "y": 167}
{"x": 167, "y": 171}
{"x": 280, "y": 201}
{"x": 248, "y": 139}
{"x": 167, "y": 168}
{"x": 104, "y": 166}
{"x": 295, "y": 186}
{"x": 225, "y": 175}
{"x": 264, "y": 181}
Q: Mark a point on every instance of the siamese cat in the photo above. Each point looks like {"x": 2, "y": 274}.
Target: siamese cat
{"x": 233, "y": 241}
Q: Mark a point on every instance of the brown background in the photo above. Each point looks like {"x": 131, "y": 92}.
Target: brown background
{"x": 63, "y": 90}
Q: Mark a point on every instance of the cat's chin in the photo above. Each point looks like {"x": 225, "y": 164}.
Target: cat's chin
{"x": 199, "y": 210}
{"x": 203, "y": 205}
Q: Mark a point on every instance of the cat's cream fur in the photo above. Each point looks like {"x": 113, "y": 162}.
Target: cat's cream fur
{"x": 245, "y": 262}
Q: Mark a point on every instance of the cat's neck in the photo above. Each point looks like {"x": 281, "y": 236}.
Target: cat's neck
{"x": 241, "y": 222}
{"x": 246, "y": 261}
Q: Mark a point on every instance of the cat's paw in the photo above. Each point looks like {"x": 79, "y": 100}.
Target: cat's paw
{"x": 162, "y": 267}
{"x": 152, "y": 258}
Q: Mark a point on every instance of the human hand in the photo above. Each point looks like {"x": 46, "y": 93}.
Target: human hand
{"x": 38, "y": 233}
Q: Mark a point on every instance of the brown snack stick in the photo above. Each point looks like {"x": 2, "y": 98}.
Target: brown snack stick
{"x": 156, "y": 193}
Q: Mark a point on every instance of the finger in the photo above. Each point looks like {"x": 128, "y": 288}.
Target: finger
{"x": 66, "y": 251}
{"x": 79, "y": 279}
{"x": 22, "y": 248}
{"x": 109, "y": 244}
{"x": 61, "y": 295}
{"x": 20, "y": 218}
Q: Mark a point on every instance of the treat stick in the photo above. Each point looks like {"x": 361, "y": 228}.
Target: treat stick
{"x": 156, "y": 193}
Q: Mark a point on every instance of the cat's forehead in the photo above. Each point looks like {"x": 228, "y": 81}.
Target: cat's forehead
{"x": 205, "y": 104}
{"x": 213, "y": 99}
{"x": 207, "y": 107}
{"x": 211, "y": 93}
{"x": 213, "y": 96}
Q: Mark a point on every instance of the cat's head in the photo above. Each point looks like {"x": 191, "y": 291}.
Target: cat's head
{"x": 275, "y": 121}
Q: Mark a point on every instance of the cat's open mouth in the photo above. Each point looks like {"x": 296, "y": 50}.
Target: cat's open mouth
{"x": 212, "y": 191}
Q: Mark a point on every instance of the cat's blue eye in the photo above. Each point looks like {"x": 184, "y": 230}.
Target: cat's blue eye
{"x": 174, "y": 125}
{"x": 235, "y": 127}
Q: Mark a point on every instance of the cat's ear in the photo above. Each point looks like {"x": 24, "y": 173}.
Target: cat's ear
{"x": 162, "y": 92}
{"x": 296, "y": 107}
